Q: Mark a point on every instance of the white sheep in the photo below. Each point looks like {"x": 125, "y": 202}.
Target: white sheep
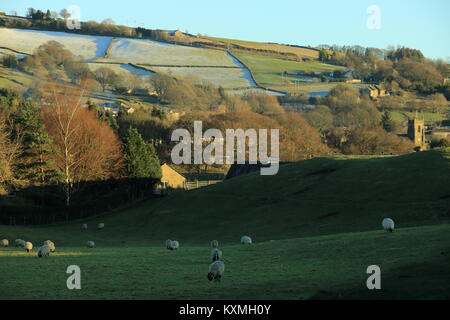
{"x": 51, "y": 245}
{"x": 169, "y": 244}
{"x": 44, "y": 251}
{"x": 214, "y": 244}
{"x": 216, "y": 271}
{"x": 216, "y": 254}
{"x": 175, "y": 245}
{"x": 246, "y": 240}
{"x": 19, "y": 243}
{"x": 84, "y": 226}
{"x": 28, "y": 246}
{"x": 100, "y": 226}
{"x": 90, "y": 244}
{"x": 4, "y": 243}
{"x": 388, "y": 224}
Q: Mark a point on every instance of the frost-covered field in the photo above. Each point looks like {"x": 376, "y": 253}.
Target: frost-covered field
{"x": 225, "y": 77}
{"x": 248, "y": 91}
{"x": 140, "y": 51}
{"x": 118, "y": 68}
{"x": 4, "y": 52}
{"x": 84, "y": 46}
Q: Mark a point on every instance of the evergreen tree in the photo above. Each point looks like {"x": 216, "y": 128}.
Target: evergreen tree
{"x": 387, "y": 122}
{"x": 34, "y": 163}
{"x": 141, "y": 157}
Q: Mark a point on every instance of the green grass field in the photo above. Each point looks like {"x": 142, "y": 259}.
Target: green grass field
{"x": 315, "y": 225}
{"x": 267, "y": 71}
{"x": 300, "y": 52}
{"x": 14, "y": 79}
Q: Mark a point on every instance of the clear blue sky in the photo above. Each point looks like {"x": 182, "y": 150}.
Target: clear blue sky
{"x": 421, "y": 24}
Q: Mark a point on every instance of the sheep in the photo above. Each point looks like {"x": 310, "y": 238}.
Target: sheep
{"x": 4, "y": 243}
{"x": 100, "y": 226}
{"x": 388, "y": 224}
{"x": 175, "y": 245}
{"x": 84, "y": 226}
{"x": 19, "y": 243}
{"x": 51, "y": 245}
{"x": 169, "y": 244}
{"x": 28, "y": 246}
{"x": 90, "y": 244}
{"x": 216, "y": 254}
{"x": 246, "y": 240}
{"x": 214, "y": 244}
{"x": 216, "y": 270}
{"x": 44, "y": 251}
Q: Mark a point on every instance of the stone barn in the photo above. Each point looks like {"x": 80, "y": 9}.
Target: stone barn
{"x": 171, "y": 178}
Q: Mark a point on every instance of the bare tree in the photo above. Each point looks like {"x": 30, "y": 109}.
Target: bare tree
{"x": 106, "y": 77}
{"x": 65, "y": 14}
{"x": 9, "y": 150}
{"x": 86, "y": 148}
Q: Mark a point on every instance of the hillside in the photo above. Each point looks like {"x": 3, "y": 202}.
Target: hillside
{"x": 308, "y": 198}
{"x": 316, "y": 229}
{"x": 198, "y": 64}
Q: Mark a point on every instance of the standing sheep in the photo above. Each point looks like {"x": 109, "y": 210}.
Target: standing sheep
{"x": 19, "y": 243}
{"x": 169, "y": 244}
{"x": 90, "y": 244}
{"x": 51, "y": 245}
{"x": 216, "y": 270}
{"x": 4, "y": 243}
{"x": 175, "y": 245}
{"x": 44, "y": 251}
{"x": 84, "y": 226}
{"x": 28, "y": 246}
{"x": 388, "y": 224}
{"x": 100, "y": 226}
{"x": 214, "y": 244}
{"x": 216, "y": 254}
{"x": 246, "y": 240}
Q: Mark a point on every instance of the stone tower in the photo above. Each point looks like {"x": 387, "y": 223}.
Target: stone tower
{"x": 416, "y": 132}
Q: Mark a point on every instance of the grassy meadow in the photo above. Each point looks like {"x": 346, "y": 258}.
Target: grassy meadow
{"x": 268, "y": 70}
{"x": 300, "y": 52}
{"x": 315, "y": 229}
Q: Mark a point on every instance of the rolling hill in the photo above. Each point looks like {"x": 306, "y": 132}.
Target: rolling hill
{"x": 316, "y": 229}
{"x": 201, "y": 64}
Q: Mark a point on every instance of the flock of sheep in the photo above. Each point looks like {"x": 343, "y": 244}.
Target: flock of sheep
{"x": 216, "y": 268}
{"x": 48, "y": 246}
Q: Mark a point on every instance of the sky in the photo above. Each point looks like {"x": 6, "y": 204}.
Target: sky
{"x": 419, "y": 24}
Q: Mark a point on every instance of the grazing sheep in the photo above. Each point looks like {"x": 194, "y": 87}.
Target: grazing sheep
{"x": 28, "y": 246}
{"x": 84, "y": 226}
{"x": 44, "y": 251}
{"x": 175, "y": 245}
{"x": 90, "y": 244}
{"x": 4, "y": 243}
{"x": 100, "y": 226}
{"x": 246, "y": 240}
{"x": 216, "y": 254}
{"x": 216, "y": 270}
{"x": 169, "y": 244}
{"x": 19, "y": 243}
{"x": 51, "y": 245}
{"x": 388, "y": 224}
{"x": 214, "y": 244}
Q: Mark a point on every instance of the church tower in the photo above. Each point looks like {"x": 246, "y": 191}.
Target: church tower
{"x": 416, "y": 132}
